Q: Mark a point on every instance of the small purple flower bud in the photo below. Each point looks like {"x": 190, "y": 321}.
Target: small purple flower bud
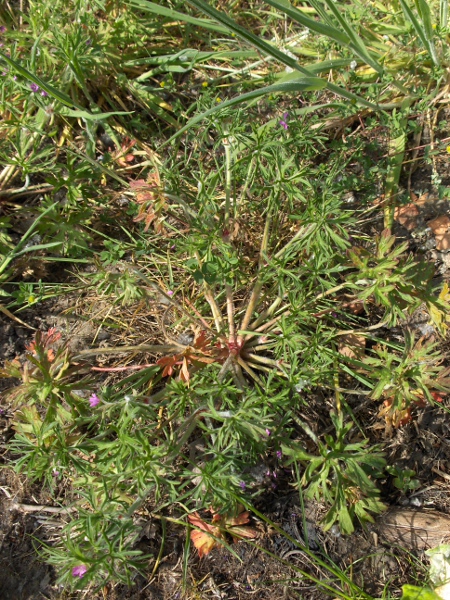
{"x": 55, "y": 473}
{"x": 170, "y": 293}
{"x": 44, "y": 93}
{"x": 94, "y": 400}
{"x": 79, "y": 571}
{"x": 15, "y": 77}
{"x": 284, "y": 125}
{"x": 274, "y": 474}
{"x": 34, "y": 87}
{"x": 2, "y": 29}
{"x": 242, "y": 485}
{"x": 279, "y": 454}
{"x": 268, "y": 432}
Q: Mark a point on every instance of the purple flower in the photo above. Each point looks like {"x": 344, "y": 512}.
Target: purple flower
{"x": 34, "y": 87}
{"x": 2, "y": 29}
{"x": 44, "y": 93}
{"x": 242, "y": 485}
{"x": 15, "y": 77}
{"x": 279, "y": 454}
{"x": 284, "y": 120}
{"x": 55, "y": 473}
{"x": 94, "y": 400}
{"x": 170, "y": 293}
{"x": 79, "y": 571}
{"x": 268, "y": 432}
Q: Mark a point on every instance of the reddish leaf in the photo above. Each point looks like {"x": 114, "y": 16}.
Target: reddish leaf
{"x": 203, "y": 540}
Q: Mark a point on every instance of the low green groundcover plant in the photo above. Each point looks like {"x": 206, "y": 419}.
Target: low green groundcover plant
{"x": 255, "y": 261}
{"x": 268, "y": 289}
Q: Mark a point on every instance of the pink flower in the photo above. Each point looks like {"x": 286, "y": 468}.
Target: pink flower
{"x": 94, "y": 400}
{"x": 170, "y": 293}
{"x": 34, "y": 87}
{"x": 79, "y": 571}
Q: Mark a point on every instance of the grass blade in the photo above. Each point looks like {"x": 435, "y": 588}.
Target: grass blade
{"x": 346, "y": 36}
{"x": 303, "y": 84}
{"x": 175, "y": 15}
{"x": 424, "y": 32}
{"x": 272, "y": 51}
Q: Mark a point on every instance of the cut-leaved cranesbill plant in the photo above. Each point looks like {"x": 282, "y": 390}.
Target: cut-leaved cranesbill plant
{"x": 343, "y": 474}
{"x": 253, "y": 295}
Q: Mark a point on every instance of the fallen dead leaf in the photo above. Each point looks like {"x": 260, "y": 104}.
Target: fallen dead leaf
{"x": 406, "y": 216}
{"x": 352, "y": 346}
{"x": 443, "y": 242}
{"x": 439, "y": 227}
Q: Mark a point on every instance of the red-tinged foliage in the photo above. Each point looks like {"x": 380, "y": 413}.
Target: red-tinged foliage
{"x": 212, "y": 534}
{"x": 150, "y": 196}
{"x": 198, "y": 355}
{"x": 42, "y": 342}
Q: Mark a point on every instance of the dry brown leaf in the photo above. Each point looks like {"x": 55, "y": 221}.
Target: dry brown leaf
{"x": 407, "y": 216}
{"x": 439, "y": 225}
{"x": 352, "y": 346}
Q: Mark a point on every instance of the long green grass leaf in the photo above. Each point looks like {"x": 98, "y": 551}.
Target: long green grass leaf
{"x": 356, "y": 43}
{"x": 304, "y": 84}
{"x": 272, "y": 51}
{"x": 311, "y": 24}
{"x": 443, "y": 13}
{"x": 425, "y": 35}
{"x": 58, "y": 95}
{"x": 174, "y": 15}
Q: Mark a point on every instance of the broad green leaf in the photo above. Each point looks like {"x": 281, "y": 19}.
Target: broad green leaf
{"x": 83, "y": 114}
{"x": 412, "y": 592}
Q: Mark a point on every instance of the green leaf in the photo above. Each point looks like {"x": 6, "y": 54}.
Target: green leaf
{"x": 412, "y": 592}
